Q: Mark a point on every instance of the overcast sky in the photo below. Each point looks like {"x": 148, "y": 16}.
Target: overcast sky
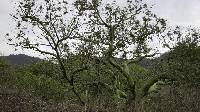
{"x": 177, "y": 12}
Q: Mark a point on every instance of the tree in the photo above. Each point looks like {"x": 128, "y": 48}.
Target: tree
{"x": 115, "y": 35}
{"x": 114, "y": 30}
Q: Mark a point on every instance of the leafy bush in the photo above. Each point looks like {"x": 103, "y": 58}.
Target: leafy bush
{"x": 3, "y": 66}
{"x": 42, "y": 86}
{"x": 5, "y": 72}
{"x": 182, "y": 64}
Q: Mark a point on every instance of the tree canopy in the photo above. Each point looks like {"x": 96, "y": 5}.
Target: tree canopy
{"x": 89, "y": 32}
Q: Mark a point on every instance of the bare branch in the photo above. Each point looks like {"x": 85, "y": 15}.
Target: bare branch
{"x": 138, "y": 59}
{"x": 41, "y": 51}
{"x": 102, "y": 21}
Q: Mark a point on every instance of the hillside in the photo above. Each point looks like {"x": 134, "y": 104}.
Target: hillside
{"x": 20, "y": 59}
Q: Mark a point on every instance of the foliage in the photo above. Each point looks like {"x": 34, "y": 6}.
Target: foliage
{"x": 116, "y": 36}
{"x": 181, "y": 63}
{"x": 5, "y": 71}
{"x": 3, "y": 65}
{"x": 28, "y": 78}
{"x": 44, "y": 87}
{"x": 45, "y": 68}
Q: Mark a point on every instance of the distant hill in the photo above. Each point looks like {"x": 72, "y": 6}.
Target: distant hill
{"x": 20, "y": 59}
{"x": 149, "y": 63}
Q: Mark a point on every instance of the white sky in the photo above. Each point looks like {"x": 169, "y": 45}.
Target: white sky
{"x": 177, "y": 12}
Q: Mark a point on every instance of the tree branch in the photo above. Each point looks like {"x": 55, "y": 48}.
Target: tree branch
{"x": 41, "y": 51}
{"x": 138, "y": 59}
{"x": 102, "y": 21}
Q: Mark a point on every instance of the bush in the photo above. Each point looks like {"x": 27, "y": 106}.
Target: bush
{"x": 42, "y": 86}
{"x": 182, "y": 64}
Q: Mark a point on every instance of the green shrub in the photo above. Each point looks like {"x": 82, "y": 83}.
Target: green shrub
{"x": 182, "y": 64}
{"x": 42, "y": 86}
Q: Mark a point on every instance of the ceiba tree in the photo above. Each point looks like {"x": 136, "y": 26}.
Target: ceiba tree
{"x": 106, "y": 31}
